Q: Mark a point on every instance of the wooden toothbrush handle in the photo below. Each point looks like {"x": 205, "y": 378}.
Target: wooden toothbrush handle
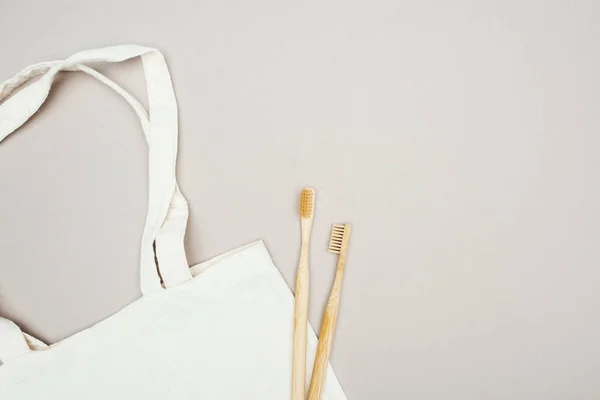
{"x": 326, "y": 335}
{"x": 300, "y": 326}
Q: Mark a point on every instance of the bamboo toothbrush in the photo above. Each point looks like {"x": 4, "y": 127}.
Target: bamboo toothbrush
{"x": 338, "y": 244}
{"x": 307, "y": 211}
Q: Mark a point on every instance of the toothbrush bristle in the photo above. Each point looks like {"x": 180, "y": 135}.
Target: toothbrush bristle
{"x": 307, "y": 202}
{"x": 336, "y": 238}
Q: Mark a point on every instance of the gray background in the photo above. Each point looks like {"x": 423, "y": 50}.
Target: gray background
{"x": 460, "y": 139}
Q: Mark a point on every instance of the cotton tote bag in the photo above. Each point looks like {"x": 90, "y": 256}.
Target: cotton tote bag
{"x": 218, "y": 330}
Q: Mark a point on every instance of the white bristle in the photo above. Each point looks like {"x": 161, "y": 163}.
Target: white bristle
{"x": 337, "y": 236}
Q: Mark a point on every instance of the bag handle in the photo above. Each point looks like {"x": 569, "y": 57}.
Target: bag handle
{"x": 15, "y": 342}
{"x": 167, "y": 208}
{"x": 12, "y": 342}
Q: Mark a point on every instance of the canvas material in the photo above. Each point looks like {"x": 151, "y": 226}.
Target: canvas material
{"x": 219, "y": 330}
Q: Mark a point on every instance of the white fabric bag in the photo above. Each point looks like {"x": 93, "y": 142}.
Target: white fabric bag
{"x": 219, "y": 330}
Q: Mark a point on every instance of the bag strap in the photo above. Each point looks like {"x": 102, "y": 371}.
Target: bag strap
{"x": 167, "y": 208}
{"x": 13, "y": 343}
